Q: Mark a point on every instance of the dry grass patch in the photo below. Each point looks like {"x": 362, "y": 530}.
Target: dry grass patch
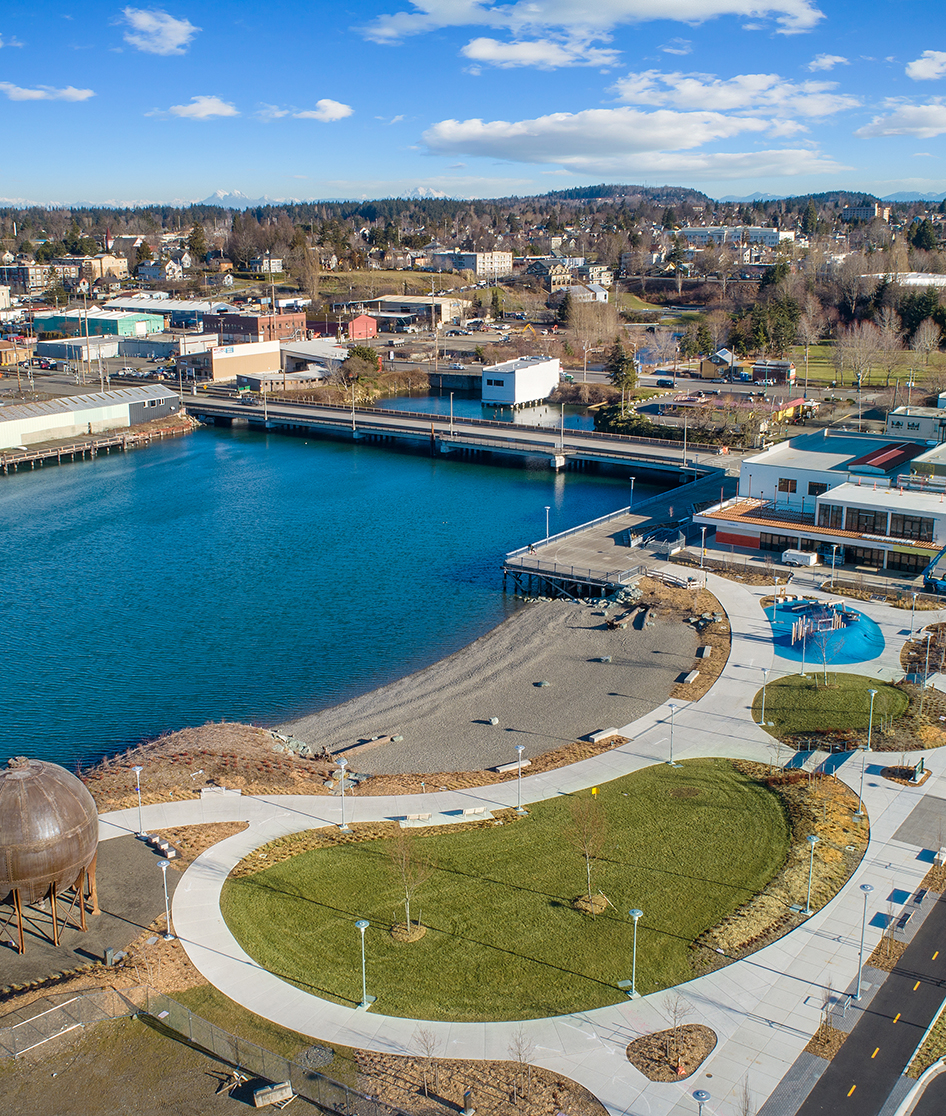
{"x": 674, "y": 1054}
{"x": 826, "y": 1042}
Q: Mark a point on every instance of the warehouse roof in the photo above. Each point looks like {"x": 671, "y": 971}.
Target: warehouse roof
{"x": 75, "y": 403}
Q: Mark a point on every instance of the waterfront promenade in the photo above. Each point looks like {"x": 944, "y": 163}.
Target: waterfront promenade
{"x": 763, "y": 1009}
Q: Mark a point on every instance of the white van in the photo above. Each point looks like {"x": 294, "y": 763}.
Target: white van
{"x": 800, "y": 558}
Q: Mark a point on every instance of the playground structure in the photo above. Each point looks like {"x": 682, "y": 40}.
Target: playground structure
{"x": 815, "y": 617}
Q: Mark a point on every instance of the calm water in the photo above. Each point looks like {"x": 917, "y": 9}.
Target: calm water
{"x": 543, "y": 414}
{"x": 232, "y": 575}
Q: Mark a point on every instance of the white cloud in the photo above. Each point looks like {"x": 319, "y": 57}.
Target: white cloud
{"x": 267, "y": 113}
{"x": 45, "y": 93}
{"x": 583, "y": 20}
{"x": 204, "y": 108}
{"x": 827, "y": 62}
{"x": 678, "y": 46}
{"x": 325, "y": 110}
{"x": 930, "y": 65}
{"x": 14, "y": 42}
{"x": 156, "y": 32}
{"x": 544, "y": 54}
{"x": 748, "y": 93}
{"x": 922, "y": 121}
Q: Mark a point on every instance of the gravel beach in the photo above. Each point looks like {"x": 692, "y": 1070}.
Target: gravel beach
{"x": 443, "y": 711}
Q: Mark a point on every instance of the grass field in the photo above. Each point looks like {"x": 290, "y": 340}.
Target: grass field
{"x": 503, "y": 939}
{"x": 798, "y": 705}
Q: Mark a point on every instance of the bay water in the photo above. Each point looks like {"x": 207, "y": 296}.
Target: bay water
{"x": 248, "y": 576}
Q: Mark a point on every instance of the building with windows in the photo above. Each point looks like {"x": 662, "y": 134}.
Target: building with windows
{"x": 856, "y": 499}
{"x": 484, "y": 265}
{"x": 236, "y": 328}
{"x": 865, "y": 212}
{"x": 928, "y": 423}
{"x": 514, "y": 383}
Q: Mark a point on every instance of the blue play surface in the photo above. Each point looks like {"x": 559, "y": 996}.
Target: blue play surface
{"x": 858, "y": 639}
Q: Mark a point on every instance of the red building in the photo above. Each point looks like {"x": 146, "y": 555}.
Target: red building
{"x": 243, "y": 329}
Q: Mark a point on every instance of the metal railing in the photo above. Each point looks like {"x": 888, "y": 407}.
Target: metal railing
{"x": 571, "y": 531}
{"x": 579, "y": 573}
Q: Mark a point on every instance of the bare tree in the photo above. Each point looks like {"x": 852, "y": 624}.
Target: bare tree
{"x": 718, "y": 323}
{"x": 588, "y": 833}
{"x": 411, "y": 869}
{"x": 810, "y": 328}
{"x": 665, "y": 346}
{"x": 522, "y": 1050}
{"x": 428, "y": 1044}
{"x": 860, "y": 345}
{"x": 744, "y": 1105}
{"x": 889, "y": 341}
{"x": 821, "y": 641}
{"x": 677, "y": 1011}
{"x": 926, "y": 339}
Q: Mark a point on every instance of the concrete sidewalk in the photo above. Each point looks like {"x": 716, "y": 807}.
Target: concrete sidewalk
{"x": 763, "y": 1009}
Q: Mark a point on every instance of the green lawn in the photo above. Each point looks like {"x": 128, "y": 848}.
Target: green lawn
{"x": 503, "y": 939}
{"x": 799, "y": 705}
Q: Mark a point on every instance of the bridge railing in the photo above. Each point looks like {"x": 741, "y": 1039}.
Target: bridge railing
{"x": 576, "y": 573}
{"x": 570, "y": 531}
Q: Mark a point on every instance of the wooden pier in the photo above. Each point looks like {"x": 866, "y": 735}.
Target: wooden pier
{"x": 90, "y": 447}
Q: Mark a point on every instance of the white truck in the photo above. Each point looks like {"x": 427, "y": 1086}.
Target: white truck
{"x": 800, "y": 558}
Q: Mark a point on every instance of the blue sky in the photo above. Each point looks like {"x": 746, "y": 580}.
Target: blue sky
{"x": 102, "y": 102}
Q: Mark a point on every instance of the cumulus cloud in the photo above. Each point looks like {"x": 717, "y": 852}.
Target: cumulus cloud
{"x": 325, "y": 110}
{"x": 583, "y": 20}
{"x": 156, "y": 32}
{"x": 928, "y": 67}
{"x": 45, "y": 93}
{"x": 749, "y": 93}
{"x": 266, "y": 113}
{"x": 922, "y": 121}
{"x": 542, "y": 54}
{"x": 827, "y": 62}
{"x": 204, "y": 108}
{"x": 678, "y": 46}
{"x": 14, "y": 42}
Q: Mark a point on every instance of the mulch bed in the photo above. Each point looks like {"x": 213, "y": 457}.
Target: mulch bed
{"x": 674, "y": 1054}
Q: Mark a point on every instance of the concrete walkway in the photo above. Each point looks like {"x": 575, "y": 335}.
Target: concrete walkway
{"x": 764, "y": 1009}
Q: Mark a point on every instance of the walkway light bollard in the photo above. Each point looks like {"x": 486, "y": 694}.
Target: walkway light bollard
{"x": 343, "y": 763}
{"x": 519, "y": 750}
{"x": 812, "y": 840}
{"x": 866, "y": 889}
{"x": 164, "y": 865}
{"x": 701, "y": 1097}
{"x": 366, "y": 1001}
{"x": 673, "y": 710}
{"x": 138, "y": 770}
{"x": 634, "y": 994}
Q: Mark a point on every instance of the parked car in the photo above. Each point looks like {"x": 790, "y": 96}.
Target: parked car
{"x": 456, "y": 364}
{"x": 665, "y": 383}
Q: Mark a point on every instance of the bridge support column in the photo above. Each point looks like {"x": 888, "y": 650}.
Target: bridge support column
{"x": 443, "y": 446}
{"x": 357, "y": 436}
{"x": 557, "y": 462}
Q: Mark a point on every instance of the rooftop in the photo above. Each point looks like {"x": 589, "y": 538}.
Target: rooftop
{"x": 840, "y": 451}
{"x": 65, "y": 404}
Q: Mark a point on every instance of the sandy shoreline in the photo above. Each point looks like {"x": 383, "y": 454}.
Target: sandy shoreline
{"x": 443, "y": 710}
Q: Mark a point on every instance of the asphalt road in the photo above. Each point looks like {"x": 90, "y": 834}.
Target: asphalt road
{"x": 866, "y": 1068}
{"x": 933, "y": 1101}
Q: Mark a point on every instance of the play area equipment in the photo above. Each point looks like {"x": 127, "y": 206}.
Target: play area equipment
{"x": 831, "y": 632}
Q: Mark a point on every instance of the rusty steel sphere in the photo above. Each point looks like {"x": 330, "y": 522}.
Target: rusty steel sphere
{"x": 49, "y": 829}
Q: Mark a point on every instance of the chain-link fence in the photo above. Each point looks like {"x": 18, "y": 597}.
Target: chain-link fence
{"x": 79, "y": 1011}
{"x": 255, "y": 1060}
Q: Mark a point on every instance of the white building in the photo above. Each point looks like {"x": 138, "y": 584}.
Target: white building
{"x": 73, "y": 415}
{"x": 700, "y": 236}
{"x": 522, "y": 380}
{"x": 928, "y": 423}
{"x": 266, "y": 265}
{"x": 297, "y": 356}
{"x": 485, "y": 265}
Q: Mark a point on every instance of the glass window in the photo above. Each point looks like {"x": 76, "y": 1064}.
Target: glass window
{"x": 787, "y": 484}
{"x": 912, "y": 527}
{"x": 817, "y": 488}
{"x": 865, "y": 522}
{"x": 831, "y": 515}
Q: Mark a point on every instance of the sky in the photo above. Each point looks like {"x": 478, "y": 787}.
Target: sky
{"x": 105, "y": 103}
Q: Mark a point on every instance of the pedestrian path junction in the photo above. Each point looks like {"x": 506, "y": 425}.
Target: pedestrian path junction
{"x": 764, "y": 1009}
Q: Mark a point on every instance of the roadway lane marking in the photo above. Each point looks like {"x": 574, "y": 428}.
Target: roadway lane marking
{"x": 916, "y": 986}
{"x": 896, "y": 1017}
{"x": 874, "y": 1055}
{"x": 935, "y": 955}
{"x": 851, "y": 1090}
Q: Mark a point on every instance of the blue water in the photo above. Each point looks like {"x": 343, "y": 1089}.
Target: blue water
{"x": 243, "y": 576}
{"x": 542, "y": 414}
{"x": 855, "y": 643}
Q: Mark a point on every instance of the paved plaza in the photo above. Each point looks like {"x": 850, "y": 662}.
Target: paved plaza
{"x": 764, "y": 1009}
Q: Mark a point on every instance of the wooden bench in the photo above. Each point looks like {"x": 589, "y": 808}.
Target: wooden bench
{"x": 691, "y": 677}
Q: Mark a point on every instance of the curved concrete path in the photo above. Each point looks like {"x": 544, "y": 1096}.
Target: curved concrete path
{"x": 764, "y": 1008}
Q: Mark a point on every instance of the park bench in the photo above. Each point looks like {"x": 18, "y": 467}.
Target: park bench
{"x": 418, "y": 817}
{"x": 503, "y": 768}
{"x": 691, "y": 677}
{"x": 595, "y": 737}
{"x": 470, "y": 811}
{"x": 920, "y": 896}
{"x": 903, "y": 920}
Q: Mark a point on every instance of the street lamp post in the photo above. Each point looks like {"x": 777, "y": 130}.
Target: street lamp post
{"x": 860, "y": 794}
{"x": 366, "y": 1001}
{"x": 812, "y": 841}
{"x": 673, "y": 710}
{"x": 870, "y": 718}
{"x": 631, "y": 505}
{"x": 866, "y": 889}
{"x": 451, "y": 414}
{"x": 912, "y": 615}
{"x": 138, "y": 770}
{"x": 343, "y": 763}
{"x": 547, "y": 509}
{"x": 519, "y": 750}
{"x": 765, "y": 678}
{"x": 834, "y": 554}
{"x": 164, "y": 865}
{"x": 701, "y": 1097}
{"x": 634, "y": 994}
{"x": 702, "y": 544}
